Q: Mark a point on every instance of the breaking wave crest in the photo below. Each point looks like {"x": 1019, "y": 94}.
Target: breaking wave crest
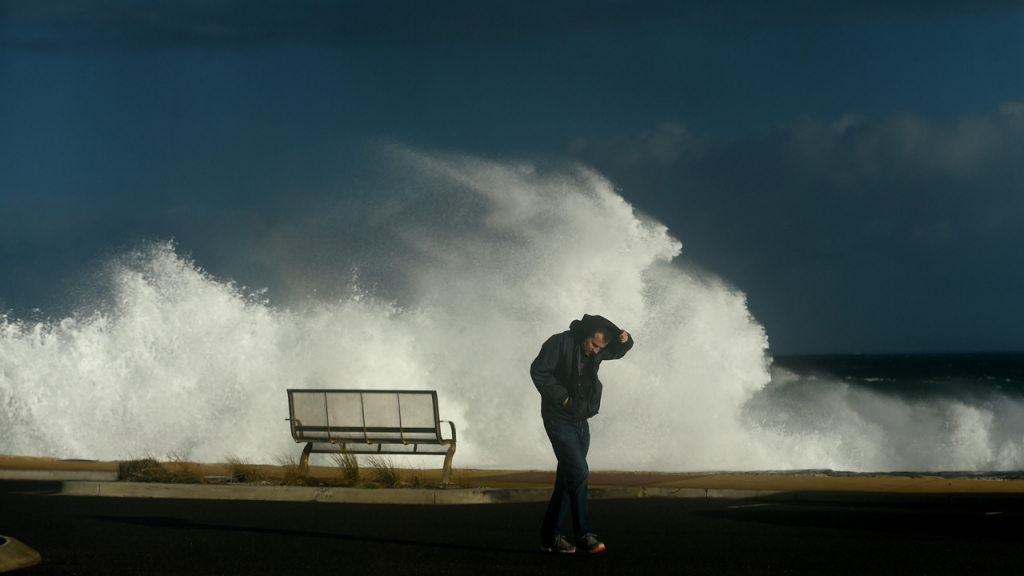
{"x": 457, "y": 276}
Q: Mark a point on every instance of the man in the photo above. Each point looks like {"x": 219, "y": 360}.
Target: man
{"x": 565, "y": 373}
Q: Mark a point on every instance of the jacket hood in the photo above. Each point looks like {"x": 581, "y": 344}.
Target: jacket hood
{"x": 584, "y": 327}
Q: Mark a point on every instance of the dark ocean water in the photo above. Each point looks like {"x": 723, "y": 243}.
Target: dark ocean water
{"x": 916, "y": 375}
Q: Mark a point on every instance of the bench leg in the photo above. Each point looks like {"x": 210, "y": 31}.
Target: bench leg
{"x": 304, "y": 460}
{"x": 446, "y": 472}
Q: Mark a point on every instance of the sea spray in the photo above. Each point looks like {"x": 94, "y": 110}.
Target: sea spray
{"x": 819, "y": 419}
{"x": 458, "y": 270}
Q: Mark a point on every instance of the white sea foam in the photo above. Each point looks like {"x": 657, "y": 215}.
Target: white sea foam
{"x": 492, "y": 258}
{"x": 830, "y": 423}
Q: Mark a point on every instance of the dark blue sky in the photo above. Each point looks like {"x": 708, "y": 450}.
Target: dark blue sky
{"x": 854, "y": 167}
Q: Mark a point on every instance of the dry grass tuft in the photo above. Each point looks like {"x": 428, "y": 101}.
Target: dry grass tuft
{"x": 246, "y": 471}
{"x": 146, "y": 468}
{"x": 291, "y": 473}
{"x": 182, "y": 470}
{"x": 384, "y": 472}
{"x": 349, "y": 466}
{"x": 139, "y": 469}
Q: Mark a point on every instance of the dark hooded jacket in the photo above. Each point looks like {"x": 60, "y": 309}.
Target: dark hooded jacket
{"x": 555, "y": 371}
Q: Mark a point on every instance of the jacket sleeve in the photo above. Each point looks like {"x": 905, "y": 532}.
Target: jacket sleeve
{"x": 543, "y": 371}
{"x": 617, "y": 349}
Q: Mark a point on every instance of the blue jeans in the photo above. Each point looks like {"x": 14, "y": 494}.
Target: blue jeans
{"x": 571, "y": 441}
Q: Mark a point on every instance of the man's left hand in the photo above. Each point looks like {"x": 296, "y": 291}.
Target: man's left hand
{"x": 624, "y": 337}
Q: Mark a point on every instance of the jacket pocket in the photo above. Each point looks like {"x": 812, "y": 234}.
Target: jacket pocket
{"x": 567, "y": 407}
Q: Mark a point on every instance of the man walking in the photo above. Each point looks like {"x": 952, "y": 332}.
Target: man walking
{"x": 565, "y": 373}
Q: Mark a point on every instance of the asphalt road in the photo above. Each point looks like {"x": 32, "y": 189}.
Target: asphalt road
{"x": 89, "y": 535}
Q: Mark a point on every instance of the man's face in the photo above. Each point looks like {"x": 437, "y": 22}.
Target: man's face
{"x": 594, "y": 344}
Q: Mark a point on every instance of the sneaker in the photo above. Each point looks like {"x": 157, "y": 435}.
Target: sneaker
{"x": 589, "y": 544}
{"x": 560, "y": 546}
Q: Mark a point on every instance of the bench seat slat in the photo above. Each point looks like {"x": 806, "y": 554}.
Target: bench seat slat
{"x": 324, "y": 439}
{"x": 428, "y": 449}
{"x": 360, "y": 429}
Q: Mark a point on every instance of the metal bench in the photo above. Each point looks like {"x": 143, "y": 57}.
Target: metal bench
{"x": 369, "y": 422}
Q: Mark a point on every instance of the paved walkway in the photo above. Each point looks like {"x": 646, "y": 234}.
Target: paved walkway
{"x": 713, "y": 536}
{"x": 711, "y": 523}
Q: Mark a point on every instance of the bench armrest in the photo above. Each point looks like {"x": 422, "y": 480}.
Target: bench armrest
{"x": 452, "y": 424}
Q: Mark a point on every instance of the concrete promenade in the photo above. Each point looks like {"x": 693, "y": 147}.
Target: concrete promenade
{"x": 94, "y": 478}
{"x": 758, "y": 523}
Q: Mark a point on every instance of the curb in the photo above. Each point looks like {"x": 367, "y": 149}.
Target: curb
{"x": 304, "y": 493}
{"x": 105, "y": 484}
{"x": 499, "y": 495}
{"x": 383, "y": 496}
{"x": 58, "y": 475}
{"x": 15, "y": 555}
{"x": 291, "y": 493}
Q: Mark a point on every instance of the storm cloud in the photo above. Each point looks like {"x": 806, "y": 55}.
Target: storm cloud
{"x": 895, "y": 213}
{"x": 127, "y": 24}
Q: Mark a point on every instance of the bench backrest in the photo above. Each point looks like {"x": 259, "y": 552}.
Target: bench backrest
{"x": 378, "y": 416}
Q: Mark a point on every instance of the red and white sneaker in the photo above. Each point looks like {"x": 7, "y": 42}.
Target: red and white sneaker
{"x": 589, "y": 544}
